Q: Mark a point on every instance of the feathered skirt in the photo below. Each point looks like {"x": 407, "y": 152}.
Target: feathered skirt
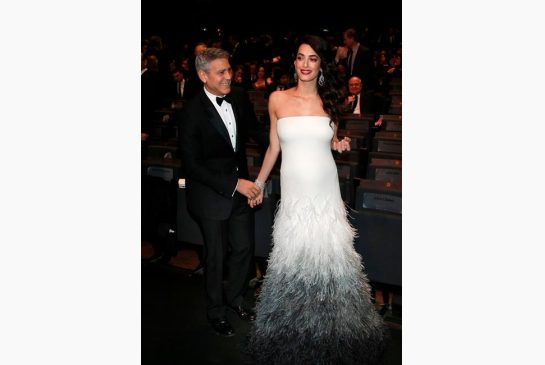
{"x": 315, "y": 306}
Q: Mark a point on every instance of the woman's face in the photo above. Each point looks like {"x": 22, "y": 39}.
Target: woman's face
{"x": 307, "y": 63}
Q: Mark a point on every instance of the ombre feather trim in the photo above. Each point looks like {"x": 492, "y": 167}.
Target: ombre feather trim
{"x": 315, "y": 306}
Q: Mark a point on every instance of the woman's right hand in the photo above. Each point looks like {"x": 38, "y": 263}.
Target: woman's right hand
{"x": 342, "y": 145}
{"x": 257, "y": 200}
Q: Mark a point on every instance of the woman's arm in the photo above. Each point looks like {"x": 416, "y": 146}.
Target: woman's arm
{"x": 272, "y": 151}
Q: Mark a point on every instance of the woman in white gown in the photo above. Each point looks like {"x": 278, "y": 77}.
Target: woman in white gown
{"x": 315, "y": 306}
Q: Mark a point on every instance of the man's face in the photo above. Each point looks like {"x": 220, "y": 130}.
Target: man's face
{"x": 178, "y": 76}
{"x": 354, "y": 86}
{"x": 348, "y": 42}
{"x": 218, "y": 78}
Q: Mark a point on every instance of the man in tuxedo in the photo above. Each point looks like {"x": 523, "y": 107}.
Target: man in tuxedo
{"x": 362, "y": 103}
{"x": 359, "y": 60}
{"x": 179, "y": 83}
{"x": 215, "y": 125}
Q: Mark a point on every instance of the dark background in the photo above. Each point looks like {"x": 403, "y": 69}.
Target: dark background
{"x": 185, "y": 20}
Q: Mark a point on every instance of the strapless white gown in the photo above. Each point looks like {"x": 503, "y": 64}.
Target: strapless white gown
{"x": 315, "y": 305}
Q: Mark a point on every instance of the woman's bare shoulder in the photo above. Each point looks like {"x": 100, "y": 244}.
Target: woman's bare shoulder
{"x": 282, "y": 103}
{"x": 276, "y": 98}
{"x": 281, "y": 94}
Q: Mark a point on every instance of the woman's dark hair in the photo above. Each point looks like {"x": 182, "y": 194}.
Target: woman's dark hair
{"x": 333, "y": 91}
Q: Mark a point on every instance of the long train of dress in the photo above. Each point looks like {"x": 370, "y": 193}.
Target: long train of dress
{"x": 315, "y": 305}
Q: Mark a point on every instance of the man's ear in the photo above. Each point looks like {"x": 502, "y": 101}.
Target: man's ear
{"x": 203, "y": 76}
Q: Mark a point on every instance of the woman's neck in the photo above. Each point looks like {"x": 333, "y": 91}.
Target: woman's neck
{"x": 306, "y": 89}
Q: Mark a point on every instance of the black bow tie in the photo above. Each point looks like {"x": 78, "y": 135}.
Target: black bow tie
{"x": 227, "y": 98}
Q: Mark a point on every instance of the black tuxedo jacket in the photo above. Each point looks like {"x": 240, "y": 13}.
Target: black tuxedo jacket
{"x": 363, "y": 67}
{"x": 210, "y": 164}
{"x": 370, "y": 104}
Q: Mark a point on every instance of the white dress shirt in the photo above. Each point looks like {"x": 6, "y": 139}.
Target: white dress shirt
{"x": 181, "y": 86}
{"x": 357, "y": 108}
{"x": 227, "y": 115}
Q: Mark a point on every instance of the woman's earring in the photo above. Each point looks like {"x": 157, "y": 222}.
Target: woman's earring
{"x": 295, "y": 76}
{"x": 321, "y": 79}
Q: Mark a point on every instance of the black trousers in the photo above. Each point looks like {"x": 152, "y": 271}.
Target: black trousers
{"x": 228, "y": 247}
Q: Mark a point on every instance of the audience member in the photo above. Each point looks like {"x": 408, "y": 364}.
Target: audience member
{"x": 361, "y": 103}
{"x": 260, "y": 82}
{"x": 359, "y": 59}
{"x": 150, "y": 95}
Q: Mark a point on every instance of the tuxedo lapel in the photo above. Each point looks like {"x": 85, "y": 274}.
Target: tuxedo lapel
{"x": 215, "y": 118}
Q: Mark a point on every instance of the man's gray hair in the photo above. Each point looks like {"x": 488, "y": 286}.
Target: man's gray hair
{"x": 202, "y": 62}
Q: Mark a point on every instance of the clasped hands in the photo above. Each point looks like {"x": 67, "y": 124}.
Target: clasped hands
{"x": 251, "y": 191}
{"x": 341, "y": 145}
